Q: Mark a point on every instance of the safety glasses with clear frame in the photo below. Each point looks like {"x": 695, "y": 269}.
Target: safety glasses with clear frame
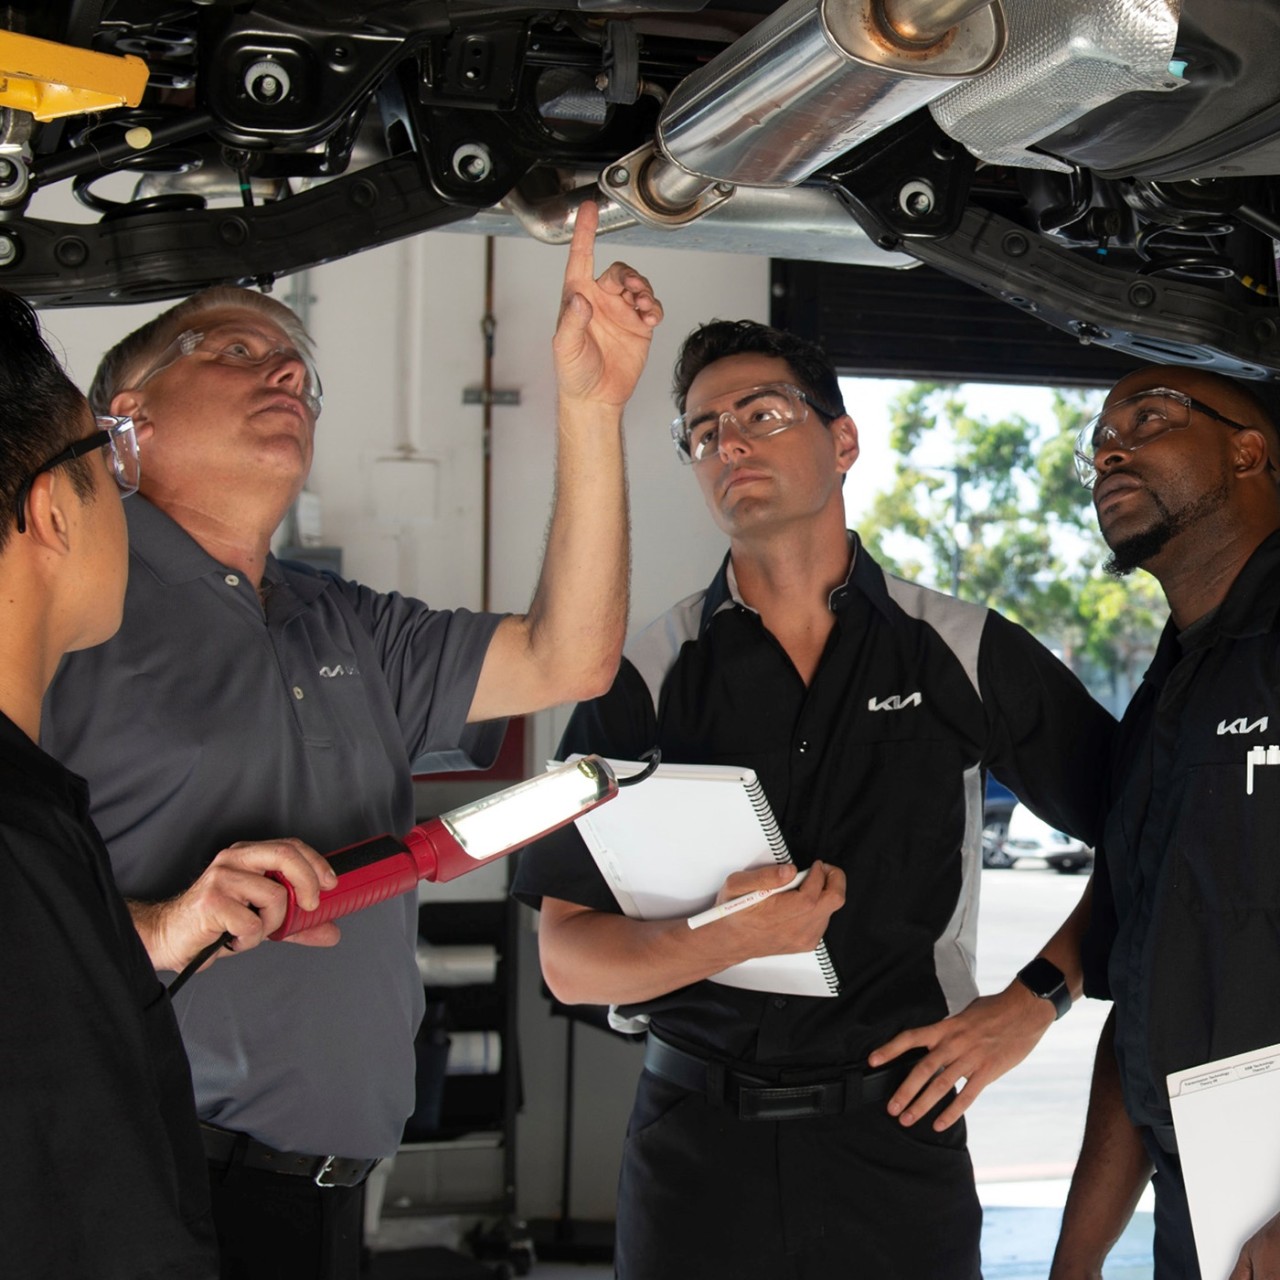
{"x": 240, "y": 347}
{"x": 1136, "y": 421}
{"x": 756, "y": 412}
{"x": 116, "y": 438}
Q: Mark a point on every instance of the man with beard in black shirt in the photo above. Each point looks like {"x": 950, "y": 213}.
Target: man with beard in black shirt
{"x": 1186, "y": 911}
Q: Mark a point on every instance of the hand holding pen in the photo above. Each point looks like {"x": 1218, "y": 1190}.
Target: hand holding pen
{"x": 759, "y": 903}
{"x": 732, "y": 905}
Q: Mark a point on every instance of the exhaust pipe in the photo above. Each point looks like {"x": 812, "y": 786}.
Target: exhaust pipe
{"x": 808, "y": 223}
{"x": 811, "y": 81}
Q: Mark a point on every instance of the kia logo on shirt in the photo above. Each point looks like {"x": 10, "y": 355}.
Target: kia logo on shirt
{"x": 1241, "y": 725}
{"x": 895, "y": 702}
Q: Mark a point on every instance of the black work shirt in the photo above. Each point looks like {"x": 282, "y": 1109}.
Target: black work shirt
{"x": 876, "y": 767}
{"x": 103, "y": 1176}
{"x": 1185, "y": 936}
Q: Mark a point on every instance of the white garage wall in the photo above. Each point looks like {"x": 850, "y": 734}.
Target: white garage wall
{"x": 398, "y": 474}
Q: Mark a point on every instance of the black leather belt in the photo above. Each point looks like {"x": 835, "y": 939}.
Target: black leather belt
{"x": 225, "y": 1147}
{"x": 755, "y": 1098}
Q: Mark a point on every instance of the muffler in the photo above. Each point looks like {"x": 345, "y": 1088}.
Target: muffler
{"x": 809, "y": 82}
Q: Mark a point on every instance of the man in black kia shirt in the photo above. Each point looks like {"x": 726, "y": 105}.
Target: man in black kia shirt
{"x": 1185, "y": 936}
{"x": 777, "y": 1135}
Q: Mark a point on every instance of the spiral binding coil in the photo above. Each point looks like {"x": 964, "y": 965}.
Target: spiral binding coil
{"x": 778, "y": 847}
{"x": 768, "y": 823}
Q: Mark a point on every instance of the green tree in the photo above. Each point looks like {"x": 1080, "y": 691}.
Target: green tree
{"x": 1005, "y": 522}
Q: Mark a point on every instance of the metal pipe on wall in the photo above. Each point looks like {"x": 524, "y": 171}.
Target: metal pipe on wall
{"x": 488, "y": 327}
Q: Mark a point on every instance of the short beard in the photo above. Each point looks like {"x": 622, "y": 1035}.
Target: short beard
{"x": 1134, "y": 552}
{"x": 1128, "y": 555}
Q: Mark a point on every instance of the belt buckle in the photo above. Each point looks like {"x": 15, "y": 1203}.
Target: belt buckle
{"x": 320, "y": 1178}
{"x": 790, "y": 1102}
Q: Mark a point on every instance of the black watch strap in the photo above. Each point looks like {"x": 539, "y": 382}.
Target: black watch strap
{"x": 1043, "y": 978}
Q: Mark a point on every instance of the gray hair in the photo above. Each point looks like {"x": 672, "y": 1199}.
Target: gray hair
{"x": 133, "y": 355}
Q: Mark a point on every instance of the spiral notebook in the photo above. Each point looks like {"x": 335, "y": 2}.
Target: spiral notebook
{"x": 666, "y": 845}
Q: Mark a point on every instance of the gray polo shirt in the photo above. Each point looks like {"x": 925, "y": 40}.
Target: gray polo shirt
{"x": 204, "y": 722}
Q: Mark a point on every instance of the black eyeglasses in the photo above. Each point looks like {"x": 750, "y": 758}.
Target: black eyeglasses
{"x": 116, "y": 437}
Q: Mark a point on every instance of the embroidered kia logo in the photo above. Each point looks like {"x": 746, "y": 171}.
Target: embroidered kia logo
{"x": 1241, "y": 725}
{"x": 895, "y": 702}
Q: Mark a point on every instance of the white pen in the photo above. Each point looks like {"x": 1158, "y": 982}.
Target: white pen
{"x": 747, "y": 900}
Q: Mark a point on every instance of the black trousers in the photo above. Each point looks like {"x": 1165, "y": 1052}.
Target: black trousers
{"x": 1175, "y": 1243}
{"x": 706, "y": 1196}
{"x": 278, "y": 1226}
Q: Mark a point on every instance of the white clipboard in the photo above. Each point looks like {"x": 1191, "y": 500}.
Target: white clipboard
{"x": 1226, "y": 1115}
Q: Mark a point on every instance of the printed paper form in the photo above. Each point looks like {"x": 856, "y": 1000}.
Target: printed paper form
{"x": 1227, "y": 1118}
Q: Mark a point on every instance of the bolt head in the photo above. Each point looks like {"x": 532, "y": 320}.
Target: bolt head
{"x": 472, "y": 162}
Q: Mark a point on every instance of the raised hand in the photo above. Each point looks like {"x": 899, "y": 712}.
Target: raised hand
{"x": 606, "y": 323}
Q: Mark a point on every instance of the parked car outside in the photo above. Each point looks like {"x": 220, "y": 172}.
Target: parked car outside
{"x": 998, "y": 804}
{"x": 1031, "y": 837}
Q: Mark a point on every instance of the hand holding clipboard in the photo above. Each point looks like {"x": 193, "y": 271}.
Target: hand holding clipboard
{"x": 667, "y": 847}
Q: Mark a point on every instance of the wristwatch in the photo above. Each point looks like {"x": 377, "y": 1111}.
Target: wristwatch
{"x": 1043, "y": 978}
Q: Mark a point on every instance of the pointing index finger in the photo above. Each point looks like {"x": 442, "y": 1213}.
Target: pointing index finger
{"x": 581, "y": 265}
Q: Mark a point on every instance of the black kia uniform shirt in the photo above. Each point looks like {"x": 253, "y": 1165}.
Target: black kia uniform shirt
{"x": 1185, "y": 933}
{"x": 103, "y": 1176}
{"x": 876, "y": 767}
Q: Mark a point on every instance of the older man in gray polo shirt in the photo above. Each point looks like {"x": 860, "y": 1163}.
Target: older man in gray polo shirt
{"x": 244, "y": 696}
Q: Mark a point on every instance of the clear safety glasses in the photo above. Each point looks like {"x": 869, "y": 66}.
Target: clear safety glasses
{"x": 756, "y": 412}
{"x": 116, "y": 438}
{"x": 1136, "y": 421}
{"x": 240, "y": 347}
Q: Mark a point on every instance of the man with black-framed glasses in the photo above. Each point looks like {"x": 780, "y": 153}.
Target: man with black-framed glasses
{"x": 118, "y": 441}
{"x": 1185, "y": 936}
{"x": 103, "y": 1175}
{"x": 785, "y": 1135}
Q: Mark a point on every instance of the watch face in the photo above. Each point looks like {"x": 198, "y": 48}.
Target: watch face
{"x": 1044, "y": 979}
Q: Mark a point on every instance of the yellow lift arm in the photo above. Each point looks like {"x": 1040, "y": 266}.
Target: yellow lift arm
{"x": 53, "y": 80}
